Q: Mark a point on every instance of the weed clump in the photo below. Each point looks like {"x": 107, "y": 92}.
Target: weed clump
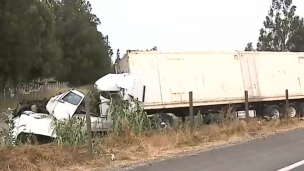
{"x": 129, "y": 118}
{"x": 69, "y": 132}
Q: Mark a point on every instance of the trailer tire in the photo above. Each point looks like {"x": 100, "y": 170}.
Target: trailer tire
{"x": 292, "y": 111}
{"x": 167, "y": 119}
{"x": 272, "y": 111}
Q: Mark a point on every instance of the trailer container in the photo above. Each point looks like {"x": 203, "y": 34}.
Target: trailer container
{"x": 218, "y": 78}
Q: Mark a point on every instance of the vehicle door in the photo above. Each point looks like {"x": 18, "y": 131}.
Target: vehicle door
{"x": 68, "y": 104}
{"x": 53, "y": 102}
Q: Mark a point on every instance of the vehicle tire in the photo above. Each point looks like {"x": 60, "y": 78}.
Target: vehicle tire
{"x": 272, "y": 111}
{"x": 292, "y": 110}
{"x": 301, "y": 109}
{"x": 28, "y": 138}
{"x": 212, "y": 118}
{"x": 166, "y": 120}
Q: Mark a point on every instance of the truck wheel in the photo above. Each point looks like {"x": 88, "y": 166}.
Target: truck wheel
{"x": 166, "y": 120}
{"x": 28, "y": 138}
{"x": 272, "y": 111}
{"x": 292, "y": 110}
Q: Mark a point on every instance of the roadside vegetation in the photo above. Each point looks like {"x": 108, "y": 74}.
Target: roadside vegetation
{"x": 133, "y": 138}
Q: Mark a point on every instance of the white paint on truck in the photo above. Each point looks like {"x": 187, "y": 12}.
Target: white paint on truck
{"x": 215, "y": 77}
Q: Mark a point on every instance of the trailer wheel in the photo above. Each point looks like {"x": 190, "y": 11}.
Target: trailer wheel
{"x": 292, "y": 110}
{"x": 166, "y": 120}
{"x": 272, "y": 111}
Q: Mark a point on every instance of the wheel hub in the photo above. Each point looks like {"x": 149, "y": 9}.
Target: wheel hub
{"x": 30, "y": 139}
{"x": 292, "y": 112}
{"x": 275, "y": 114}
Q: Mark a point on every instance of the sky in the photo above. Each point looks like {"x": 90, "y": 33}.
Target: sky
{"x": 178, "y": 25}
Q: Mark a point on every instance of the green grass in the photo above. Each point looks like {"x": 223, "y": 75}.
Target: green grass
{"x": 69, "y": 132}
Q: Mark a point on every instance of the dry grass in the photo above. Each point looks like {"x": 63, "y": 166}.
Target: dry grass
{"x": 132, "y": 148}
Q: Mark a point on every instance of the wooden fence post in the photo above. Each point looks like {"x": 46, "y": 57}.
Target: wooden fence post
{"x": 89, "y": 129}
{"x": 144, "y": 94}
{"x": 287, "y": 103}
{"x": 191, "y": 111}
{"x": 246, "y": 106}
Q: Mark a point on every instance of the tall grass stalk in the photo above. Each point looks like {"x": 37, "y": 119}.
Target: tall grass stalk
{"x": 129, "y": 118}
{"x": 69, "y": 132}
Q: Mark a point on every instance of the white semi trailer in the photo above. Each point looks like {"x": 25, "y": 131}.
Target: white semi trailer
{"x": 216, "y": 78}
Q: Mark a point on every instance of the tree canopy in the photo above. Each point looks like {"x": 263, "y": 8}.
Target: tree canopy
{"x": 282, "y": 29}
{"x": 58, "y": 38}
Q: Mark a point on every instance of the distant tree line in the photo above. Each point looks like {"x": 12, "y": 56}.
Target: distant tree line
{"x": 51, "y": 38}
{"x": 282, "y": 29}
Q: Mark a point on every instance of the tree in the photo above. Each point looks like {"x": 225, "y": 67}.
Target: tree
{"x": 117, "y": 56}
{"x": 279, "y": 27}
{"x": 85, "y": 50}
{"x": 110, "y": 50}
{"x": 154, "y": 48}
{"x": 28, "y": 48}
{"x": 297, "y": 40}
{"x": 249, "y": 47}
{"x": 47, "y": 38}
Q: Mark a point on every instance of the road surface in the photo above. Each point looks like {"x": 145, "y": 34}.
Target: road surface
{"x": 277, "y": 153}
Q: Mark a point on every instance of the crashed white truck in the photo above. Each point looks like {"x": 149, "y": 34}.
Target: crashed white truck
{"x": 32, "y": 121}
{"x": 162, "y": 80}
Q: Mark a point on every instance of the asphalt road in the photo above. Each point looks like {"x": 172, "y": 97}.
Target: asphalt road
{"x": 276, "y": 153}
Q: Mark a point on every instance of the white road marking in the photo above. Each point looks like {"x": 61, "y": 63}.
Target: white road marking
{"x": 292, "y": 166}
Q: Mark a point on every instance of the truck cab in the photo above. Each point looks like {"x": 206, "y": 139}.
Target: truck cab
{"x": 65, "y": 105}
{"x": 61, "y": 107}
{"x": 124, "y": 86}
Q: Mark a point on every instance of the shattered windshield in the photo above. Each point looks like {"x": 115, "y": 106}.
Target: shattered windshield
{"x": 72, "y": 98}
